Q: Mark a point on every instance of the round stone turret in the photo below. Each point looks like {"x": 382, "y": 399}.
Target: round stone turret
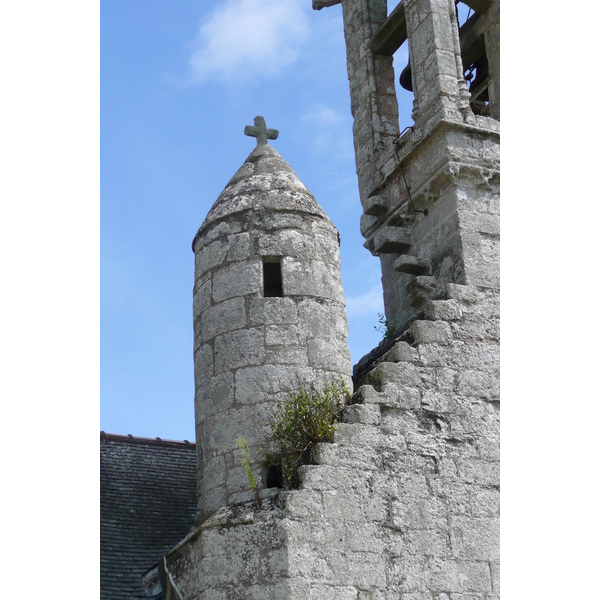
{"x": 269, "y": 317}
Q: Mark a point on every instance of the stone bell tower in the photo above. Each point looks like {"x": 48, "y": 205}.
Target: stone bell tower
{"x": 269, "y": 314}
{"x": 430, "y": 193}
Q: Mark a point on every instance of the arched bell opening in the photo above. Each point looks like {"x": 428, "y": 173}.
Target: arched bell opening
{"x": 404, "y": 93}
{"x": 474, "y": 58}
{"x": 391, "y": 40}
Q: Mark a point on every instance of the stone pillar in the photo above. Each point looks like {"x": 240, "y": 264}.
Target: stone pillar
{"x": 492, "y": 50}
{"x": 438, "y": 83}
{"x": 372, "y": 89}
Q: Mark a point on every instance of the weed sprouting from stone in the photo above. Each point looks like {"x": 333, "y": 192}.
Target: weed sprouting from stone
{"x": 307, "y": 418}
{"x": 385, "y": 328}
{"x": 245, "y": 460}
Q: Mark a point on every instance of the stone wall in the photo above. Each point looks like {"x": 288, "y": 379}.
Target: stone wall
{"x": 372, "y": 90}
{"x": 454, "y": 175}
{"x": 238, "y": 553}
{"x": 403, "y": 504}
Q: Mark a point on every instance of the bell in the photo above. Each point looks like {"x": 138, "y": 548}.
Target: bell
{"x": 482, "y": 72}
{"x": 406, "y": 78}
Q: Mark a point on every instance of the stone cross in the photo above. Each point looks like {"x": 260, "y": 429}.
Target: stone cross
{"x": 260, "y": 131}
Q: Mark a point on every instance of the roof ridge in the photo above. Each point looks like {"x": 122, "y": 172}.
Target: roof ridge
{"x": 144, "y": 440}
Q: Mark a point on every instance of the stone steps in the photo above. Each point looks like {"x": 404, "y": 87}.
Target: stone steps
{"x": 357, "y": 434}
{"x": 375, "y": 206}
{"x": 412, "y": 265}
{"x": 330, "y": 477}
{"x": 392, "y": 240}
{"x": 337, "y": 454}
{"x": 420, "y": 289}
{"x": 367, "y": 414}
{"x": 395, "y": 382}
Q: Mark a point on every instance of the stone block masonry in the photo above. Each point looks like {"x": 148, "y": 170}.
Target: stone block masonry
{"x": 446, "y": 164}
{"x": 403, "y": 504}
{"x": 252, "y": 348}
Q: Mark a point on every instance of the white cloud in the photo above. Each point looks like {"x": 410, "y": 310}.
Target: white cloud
{"x": 365, "y": 304}
{"x": 330, "y": 133}
{"x": 324, "y": 116}
{"x": 247, "y": 39}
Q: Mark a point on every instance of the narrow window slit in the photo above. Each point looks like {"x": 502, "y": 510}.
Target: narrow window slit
{"x": 272, "y": 277}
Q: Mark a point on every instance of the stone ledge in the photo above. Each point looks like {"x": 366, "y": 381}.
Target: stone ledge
{"x": 401, "y": 352}
{"x": 242, "y": 514}
{"x": 368, "y": 414}
{"x": 356, "y": 434}
{"x": 428, "y": 332}
{"x": 375, "y": 206}
{"x": 464, "y": 293}
{"x": 412, "y": 265}
{"x": 420, "y": 289}
{"x": 442, "y": 310}
{"x": 327, "y": 453}
{"x": 392, "y": 240}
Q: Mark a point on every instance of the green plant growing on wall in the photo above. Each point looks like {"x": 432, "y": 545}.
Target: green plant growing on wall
{"x": 308, "y": 417}
{"x": 385, "y": 327}
{"x": 245, "y": 460}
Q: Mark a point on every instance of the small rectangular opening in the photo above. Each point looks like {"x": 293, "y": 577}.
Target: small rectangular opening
{"x": 272, "y": 277}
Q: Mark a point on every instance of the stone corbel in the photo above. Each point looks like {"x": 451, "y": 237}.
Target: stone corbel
{"x": 319, "y": 4}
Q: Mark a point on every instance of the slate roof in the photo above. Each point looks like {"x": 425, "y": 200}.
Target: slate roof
{"x": 147, "y": 505}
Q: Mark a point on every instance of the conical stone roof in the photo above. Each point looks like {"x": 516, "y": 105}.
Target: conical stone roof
{"x": 265, "y": 182}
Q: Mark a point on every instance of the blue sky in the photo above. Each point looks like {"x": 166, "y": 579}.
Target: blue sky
{"x": 179, "y": 81}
